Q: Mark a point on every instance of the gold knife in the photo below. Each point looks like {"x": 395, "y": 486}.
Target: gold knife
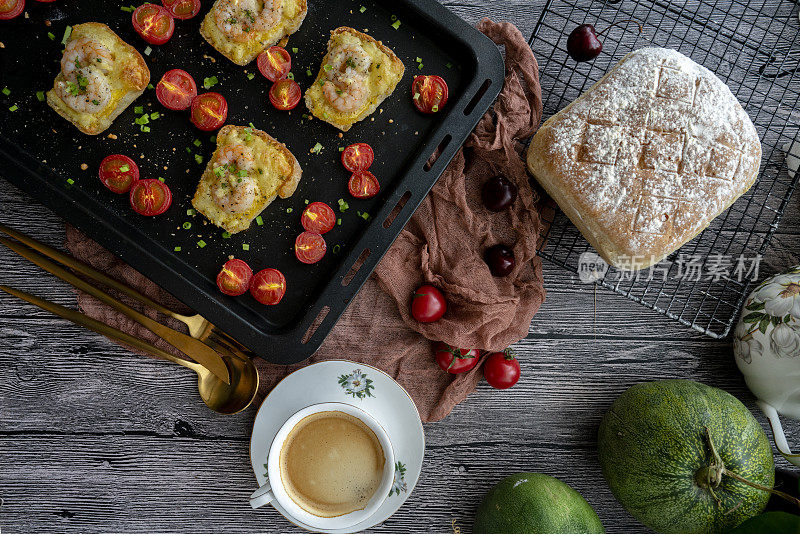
{"x": 195, "y": 349}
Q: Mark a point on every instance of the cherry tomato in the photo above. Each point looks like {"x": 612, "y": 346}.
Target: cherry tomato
{"x": 429, "y": 93}
{"x": 10, "y": 9}
{"x": 153, "y": 23}
{"x": 234, "y": 278}
{"x": 428, "y": 304}
{"x": 45, "y": 1}
{"x": 358, "y": 157}
{"x": 150, "y": 197}
{"x": 285, "y": 94}
{"x": 363, "y": 185}
{"x": 274, "y": 63}
{"x": 318, "y": 218}
{"x": 118, "y": 173}
{"x": 455, "y": 361}
{"x": 501, "y": 369}
{"x": 310, "y": 247}
{"x": 176, "y": 90}
{"x": 182, "y": 9}
{"x": 209, "y": 111}
{"x": 268, "y": 286}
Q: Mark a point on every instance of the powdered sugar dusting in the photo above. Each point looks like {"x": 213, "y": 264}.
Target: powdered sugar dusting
{"x": 653, "y": 152}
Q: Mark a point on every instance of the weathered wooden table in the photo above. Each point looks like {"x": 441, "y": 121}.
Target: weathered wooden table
{"x": 93, "y": 439}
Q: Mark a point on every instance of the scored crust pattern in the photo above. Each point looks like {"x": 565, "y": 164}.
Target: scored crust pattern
{"x": 649, "y": 156}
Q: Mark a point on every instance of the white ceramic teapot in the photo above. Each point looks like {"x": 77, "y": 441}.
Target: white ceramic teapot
{"x": 766, "y": 343}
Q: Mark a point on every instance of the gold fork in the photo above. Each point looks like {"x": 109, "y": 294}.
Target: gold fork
{"x": 199, "y": 327}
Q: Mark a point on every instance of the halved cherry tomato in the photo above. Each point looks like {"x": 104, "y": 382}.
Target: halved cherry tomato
{"x": 455, "y": 361}
{"x": 118, "y": 173}
{"x": 176, "y": 90}
{"x": 318, "y": 218}
{"x": 363, "y": 185}
{"x": 150, "y": 197}
{"x": 310, "y": 247}
{"x": 209, "y": 111}
{"x": 429, "y": 93}
{"x": 358, "y": 157}
{"x": 234, "y": 278}
{"x": 182, "y": 9}
{"x": 268, "y": 286}
{"x": 10, "y": 9}
{"x": 428, "y": 304}
{"x": 285, "y": 94}
{"x": 501, "y": 369}
{"x": 153, "y": 23}
{"x": 274, "y": 63}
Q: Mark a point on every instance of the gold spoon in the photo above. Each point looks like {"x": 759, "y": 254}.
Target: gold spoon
{"x": 219, "y": 396}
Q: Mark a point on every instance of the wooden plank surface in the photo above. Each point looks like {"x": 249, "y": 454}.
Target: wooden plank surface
{"x": 95, "y": 440}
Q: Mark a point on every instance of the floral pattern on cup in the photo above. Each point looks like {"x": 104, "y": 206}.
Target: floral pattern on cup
{"x": 776, "y": 303}
{"x": 357, "y": 385}
{"x": 399, "y": 485}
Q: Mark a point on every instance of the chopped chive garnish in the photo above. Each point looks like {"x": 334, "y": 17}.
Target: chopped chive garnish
{"x": 306, "y": 201}
{"x": 138, "y": 110}
{"x": 124, "y": 168}
{"x": 251, "y": 76}
{"x": 145, "y": 129}
{"x": 13, "y": 108}
{"x": 51, "y": 36}
{"x": 70, "y": 181}
{"x": 198, "y": 158}
{"x": 40, "y": 96}
{"x": 160, "y": 179}
{"x": 208, "y": 83}
{"x": 188, "y": 150}
{"x": 435, "y": 109}
{"x": 449, "y": 65}
{"x": 259, "y": 220}
{"x": 226, "y": 235}
{"x": 419, "y": 60}
{"x": 196, "y": 142}
{"x": 393, "y": 17}
{"x": 341, "y": 149}
{"x": 339, "y": 221}
{"x": 213, "y": 138}
{"x": 148, "y": 51}
{"x": 6, "y": 91}
{"x": 150, "y": 86}
{"x": 308, "y": 72}
{"x": 290, "y": 76}
{"x": 396, "y": 25}
{"x": 190, "y": 212}
{"x": 154, "y": 115}
{"x": 201, "y": 244}
{"x": 336, "y": 249}
{"x": 343, "y": 205}
{"x": 187, "y": 225}
{"x": 327, "y": 67}
{"x": 416, "y": 96}
{"x": 250, "y": 124}
{"x": 177, "y": 249}
{"x": 67, "y": 33}
{"x": 420, "y": 66}
{"x": 245, "y": 246}
{"x": 317, "y": 149}
{"x": 362, "y": 9}
{"x": 128, "y": 9}
{"x": 295, "y": 50}
{"x": 289, "y": 210}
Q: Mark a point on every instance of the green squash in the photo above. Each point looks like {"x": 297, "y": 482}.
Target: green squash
{"x": 533, "y": 503}
{"x": 657, "y": 448}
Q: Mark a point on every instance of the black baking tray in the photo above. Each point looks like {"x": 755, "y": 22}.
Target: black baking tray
{"x": 42, "y": 154}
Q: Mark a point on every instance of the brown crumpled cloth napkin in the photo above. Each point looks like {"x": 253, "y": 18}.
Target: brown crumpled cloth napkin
{"x": 442, "y": 244}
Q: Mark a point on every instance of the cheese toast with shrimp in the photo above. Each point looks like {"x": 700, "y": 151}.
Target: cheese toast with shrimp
{"x": 357, "y": 74}
{"x": 241, "y": 29}
{"x": 247, "y": 171}
{"x": 101, "y": 75}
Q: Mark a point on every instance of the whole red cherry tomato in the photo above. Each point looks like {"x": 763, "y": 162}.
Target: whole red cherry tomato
{"x": 428, "y": 304}
{"x": 455, "y": 361}
{"x": 234, "y": 278}
{"x": 501, "y": 369}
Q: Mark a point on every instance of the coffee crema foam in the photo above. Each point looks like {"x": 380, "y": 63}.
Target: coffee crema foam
{"x": 331, "y": 464}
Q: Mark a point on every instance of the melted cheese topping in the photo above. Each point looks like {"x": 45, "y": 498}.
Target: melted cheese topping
{"x": 273, "y": 168}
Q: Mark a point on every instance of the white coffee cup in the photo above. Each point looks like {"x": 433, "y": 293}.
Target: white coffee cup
{"x": 273, "y": 489}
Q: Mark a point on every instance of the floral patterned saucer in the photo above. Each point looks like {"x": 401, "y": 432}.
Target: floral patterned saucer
{"x": 363, "y": 386}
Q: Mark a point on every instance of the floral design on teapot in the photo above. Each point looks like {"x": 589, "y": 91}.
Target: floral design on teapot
{"x": 775, "y": 305}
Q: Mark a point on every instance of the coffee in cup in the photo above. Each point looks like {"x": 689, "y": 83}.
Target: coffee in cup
{"x": 331, "y": 464}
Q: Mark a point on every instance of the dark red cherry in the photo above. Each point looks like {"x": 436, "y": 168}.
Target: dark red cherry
{"x": 498, "y": 193}
{"x": 583, "y": 43}
{"x": 501, "y": 260}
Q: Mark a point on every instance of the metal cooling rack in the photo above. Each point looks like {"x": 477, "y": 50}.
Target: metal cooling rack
{"x": 751, "y": 47}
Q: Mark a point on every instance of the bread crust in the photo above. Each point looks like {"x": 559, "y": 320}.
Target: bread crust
{"x": 644, "y": 160}
{"x": 231, "y": 49}
{"x": 285, "y": 190}
{"x": 396, "y": 69}
{"x": 133, "y": 75}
